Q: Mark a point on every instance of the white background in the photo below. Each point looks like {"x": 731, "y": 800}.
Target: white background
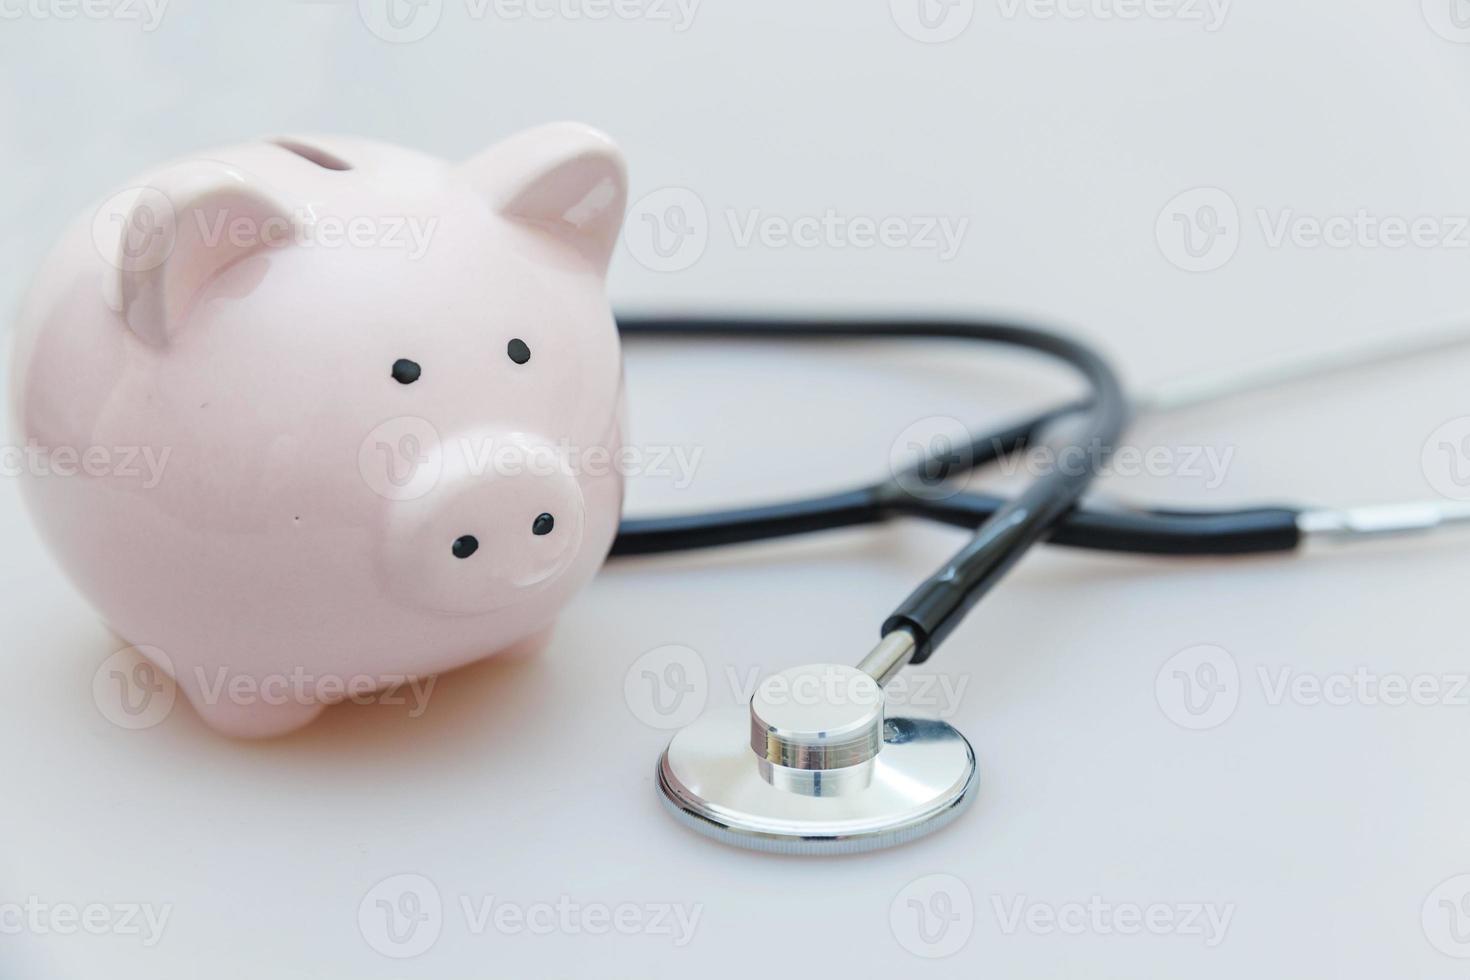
{"x": 1329, "y": 833}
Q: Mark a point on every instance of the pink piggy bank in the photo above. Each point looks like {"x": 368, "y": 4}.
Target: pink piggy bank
{"x": 309, "y": 418}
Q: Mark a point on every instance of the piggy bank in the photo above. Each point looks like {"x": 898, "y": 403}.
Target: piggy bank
{"x": 305, "y": 418}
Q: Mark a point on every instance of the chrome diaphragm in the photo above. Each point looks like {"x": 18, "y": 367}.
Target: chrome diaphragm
{"x": 814, "y": 765}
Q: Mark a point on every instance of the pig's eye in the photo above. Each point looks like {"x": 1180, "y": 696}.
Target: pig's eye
{"x": 543, "y": 524}
{"x": 518, "y": 351}
{"x": 465, "y": 546}
{"x": 406, "y": 372}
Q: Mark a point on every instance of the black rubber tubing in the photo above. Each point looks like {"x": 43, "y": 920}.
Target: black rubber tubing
{"x": 1246, "y": 531}
{"x": 1013, "y": 525}
{"x": 933, "y": 609}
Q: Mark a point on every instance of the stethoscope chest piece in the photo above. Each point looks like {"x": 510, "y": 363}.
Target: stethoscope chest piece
{"x": 814, "y": 766}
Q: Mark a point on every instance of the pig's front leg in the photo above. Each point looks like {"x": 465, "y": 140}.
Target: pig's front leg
{"x": 255, "y": 717}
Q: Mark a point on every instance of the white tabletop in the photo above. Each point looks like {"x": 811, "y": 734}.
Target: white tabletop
{"x": 1309, "y": 823}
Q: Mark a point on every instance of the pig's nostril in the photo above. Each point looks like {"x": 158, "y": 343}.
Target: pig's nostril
{"x": 543, "y": 524}
{"x": 465, "y": 546}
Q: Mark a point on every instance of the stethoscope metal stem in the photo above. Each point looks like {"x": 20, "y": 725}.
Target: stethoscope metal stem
{"x": 890, "y": 656}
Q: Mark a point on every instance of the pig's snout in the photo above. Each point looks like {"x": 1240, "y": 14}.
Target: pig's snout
{"x": 504, "y": 518}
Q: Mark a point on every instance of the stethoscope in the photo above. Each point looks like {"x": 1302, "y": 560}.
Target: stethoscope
{"x": 815, "y": 763}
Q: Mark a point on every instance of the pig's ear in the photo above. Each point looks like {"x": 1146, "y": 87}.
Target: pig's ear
{"x": 176, "y": 234}
{"x": 565, "y": 177}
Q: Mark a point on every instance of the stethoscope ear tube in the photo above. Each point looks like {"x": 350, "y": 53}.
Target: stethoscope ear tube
{"x": 1256, "y": 530}
{"x": 1241, "y": 531}
{"x": 1248, "y": 531}
{"x": 934, "y": 608}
